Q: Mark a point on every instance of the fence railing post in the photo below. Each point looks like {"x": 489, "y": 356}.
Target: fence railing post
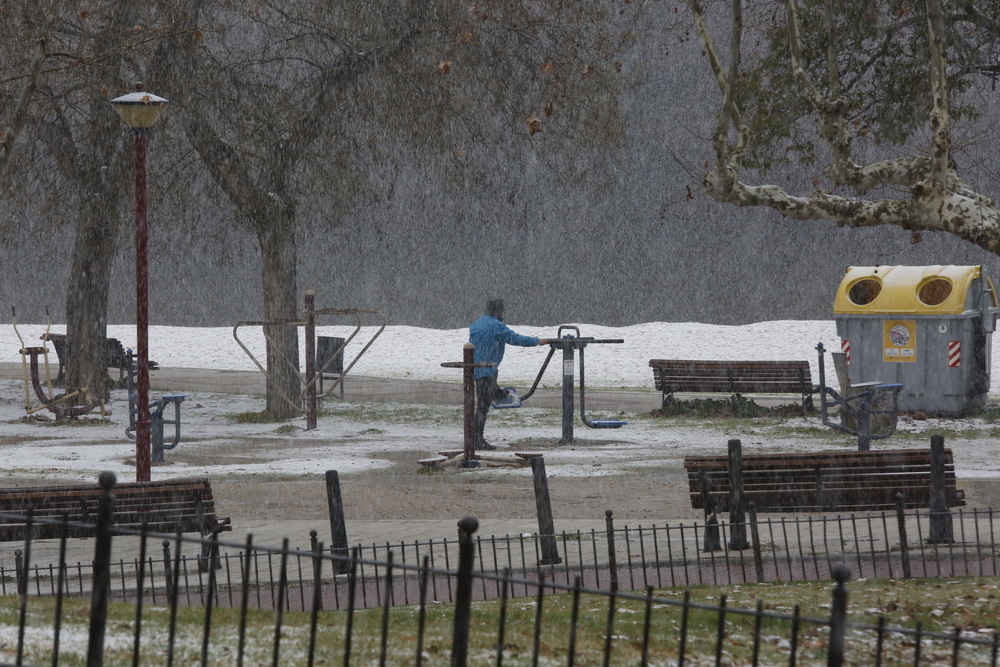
{"x": 904, "y": 548}
{"x": 737, "y": 518}
{"x": 940, "y": 531}
{"x": 317, "y": 548}
{"x": 102, "y": 570}
{"x": 168, "y": 576}
{"x": 612, "y": 560}
{"x": 758, "y": 561}
{"x": 20, "y": 572}
{"x": 838, "y": 616}
{"x": 463, "y": 590}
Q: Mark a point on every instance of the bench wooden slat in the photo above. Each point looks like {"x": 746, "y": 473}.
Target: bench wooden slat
{"x": 116, "y": 355}
{"x": 812, "y": 503}
{"x": 166, "y": 507}
{"x": 733, "y": 377}
{"x": 735, "y": 387}
{"x": 851, "y": 480}
{"x": 831, "y": 482}
{"x": 826, "y": 458}
{"x": 701, "y": 363}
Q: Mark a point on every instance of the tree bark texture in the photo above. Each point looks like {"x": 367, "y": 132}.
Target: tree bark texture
{"x": 277, "y": 243}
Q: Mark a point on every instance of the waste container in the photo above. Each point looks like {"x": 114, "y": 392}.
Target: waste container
{"x": 326, "y": 347}
{"x": 928, "y": 328}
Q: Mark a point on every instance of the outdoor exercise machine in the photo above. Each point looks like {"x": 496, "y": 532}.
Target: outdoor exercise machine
{"x": 543, "y": 502}
{"x": 859, "y": 406}
{"x": 48, "y": 402}
{"x": 157, "y": 416}
{"x": 312, "y": 375}
{"x": 569, "y": 344}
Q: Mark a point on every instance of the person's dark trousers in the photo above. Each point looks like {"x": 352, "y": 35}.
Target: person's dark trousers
{"x": 487, "y": 391}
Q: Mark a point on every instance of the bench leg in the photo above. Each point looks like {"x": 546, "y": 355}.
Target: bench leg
{"x": 666, "y": 399}
{"x": 713, "y": 541}
{"x": 210, "y": 554}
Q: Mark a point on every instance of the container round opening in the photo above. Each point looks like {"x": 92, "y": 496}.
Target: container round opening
{"x": 934, "y": 292}
{"x": 864, "y": 291}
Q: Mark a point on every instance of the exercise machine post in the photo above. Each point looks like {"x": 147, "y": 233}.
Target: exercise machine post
{"x": 468, "y": 366}
{"x": 569, "y": 344}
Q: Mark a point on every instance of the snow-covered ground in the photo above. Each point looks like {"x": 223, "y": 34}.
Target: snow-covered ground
{"x": 354, "y": 437}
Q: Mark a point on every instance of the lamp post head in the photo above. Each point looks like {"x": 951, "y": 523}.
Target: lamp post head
{"x": 140, "y": 109}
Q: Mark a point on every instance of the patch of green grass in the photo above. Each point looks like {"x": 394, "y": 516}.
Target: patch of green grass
{"x": 372, "y": 431}
{"x": 262, "y": 417}
{"x": 987, "y": 412}
{"x": 940, "y": 605}
{"x": 287, "y": 428}
{"x": 393, "y": 413}
{"x": 821, "y": 432}
{"x": 947, "y": 433}
{"x": 32, "y": 419}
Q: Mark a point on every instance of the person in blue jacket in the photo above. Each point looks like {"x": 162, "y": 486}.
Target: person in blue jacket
{"x": 490, "y": 336}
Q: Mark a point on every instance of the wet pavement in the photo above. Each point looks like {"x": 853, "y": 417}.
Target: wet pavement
{"x": 357, "y": 389}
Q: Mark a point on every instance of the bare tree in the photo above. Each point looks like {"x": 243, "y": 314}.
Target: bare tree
{"x": 919, "y": 192}
{"x": 74, "y": 151}
{"x": 282, "y": 98}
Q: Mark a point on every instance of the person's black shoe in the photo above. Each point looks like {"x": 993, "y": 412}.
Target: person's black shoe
{"x": 484, "y": 446}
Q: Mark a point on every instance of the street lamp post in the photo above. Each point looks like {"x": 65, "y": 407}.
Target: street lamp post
{"x": 140, "y": 110}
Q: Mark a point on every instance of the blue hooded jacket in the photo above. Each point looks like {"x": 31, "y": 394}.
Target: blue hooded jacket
{"x": 489, "y": 334}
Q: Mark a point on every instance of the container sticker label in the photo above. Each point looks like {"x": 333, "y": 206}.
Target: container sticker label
{"x": 954, "y": 354}
{"x": 568, "y": 367}
{"x": 899, "y": 340}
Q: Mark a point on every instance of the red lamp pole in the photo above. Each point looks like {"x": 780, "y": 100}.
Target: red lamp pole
{"x": 143, "y": 422}
{"x": 140, "y": 110}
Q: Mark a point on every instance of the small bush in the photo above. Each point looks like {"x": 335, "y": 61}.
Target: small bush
{"x": 737, "y": 405}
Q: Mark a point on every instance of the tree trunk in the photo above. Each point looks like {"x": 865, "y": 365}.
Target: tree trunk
{"x": 843, "y": 378}
{"x": 101, "y": 174}
{"x": 277, "y": 244}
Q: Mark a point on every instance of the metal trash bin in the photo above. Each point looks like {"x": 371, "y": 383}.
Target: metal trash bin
{"x": 326, "y": 347}
{"x": 928, "y": 328}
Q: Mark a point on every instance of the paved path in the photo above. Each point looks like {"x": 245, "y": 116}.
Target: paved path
{"x": 358, "y": 389}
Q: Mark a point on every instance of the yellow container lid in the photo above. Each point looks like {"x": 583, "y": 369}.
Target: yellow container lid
{"x": 904, "y": 290}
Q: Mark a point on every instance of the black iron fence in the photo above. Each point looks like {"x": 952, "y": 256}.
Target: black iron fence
{"x": 169, "y": 620}
{"x": 625, "y": 557}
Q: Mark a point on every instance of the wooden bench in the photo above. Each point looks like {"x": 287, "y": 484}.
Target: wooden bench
{"x": 823, "y": 481}
{"x": 117, "y": 356}
{"x": 169, "y": 506}
{"x": 733, "y": 377}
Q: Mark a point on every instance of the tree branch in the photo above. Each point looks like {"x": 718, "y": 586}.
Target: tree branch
{"x": 21, "y": 109}
{"x": 939, "y": 199}
{"x": 940, "y": 125}
{"x": 736, "y": 155}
